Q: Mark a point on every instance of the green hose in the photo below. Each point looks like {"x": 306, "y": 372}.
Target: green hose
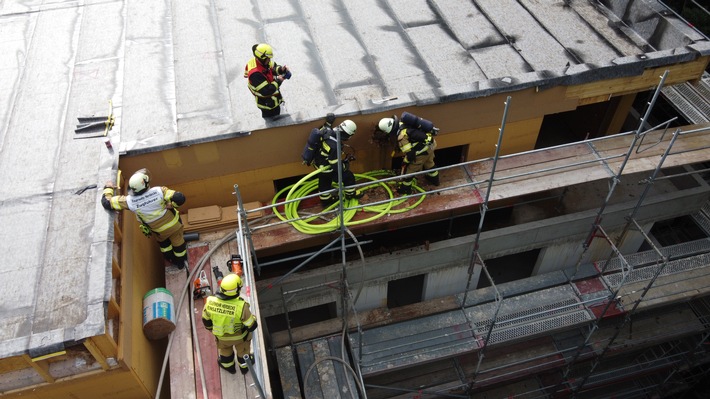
{"x": 307, "y": 186}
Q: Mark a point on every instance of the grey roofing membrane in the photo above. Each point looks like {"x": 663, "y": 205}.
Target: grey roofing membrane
{"x": 173, "y": 70}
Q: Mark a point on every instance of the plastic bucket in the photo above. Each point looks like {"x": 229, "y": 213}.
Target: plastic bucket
{"x": 158, "y": 313}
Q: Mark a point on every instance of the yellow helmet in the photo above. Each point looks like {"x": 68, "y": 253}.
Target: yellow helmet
{"x": 231, "y": 284}
{"x": 263, "y": 51}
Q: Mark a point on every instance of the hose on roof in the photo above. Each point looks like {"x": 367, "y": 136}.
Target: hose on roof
{"x": 313, "y": 224}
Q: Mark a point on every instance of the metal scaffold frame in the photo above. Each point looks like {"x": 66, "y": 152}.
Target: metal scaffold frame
{"x": 349, "y": 300}
{"x": 597, "y": 231}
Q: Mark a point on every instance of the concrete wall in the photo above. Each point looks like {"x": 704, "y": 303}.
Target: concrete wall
{"x": 446, "y": 262}
{"x": 566, "y": 254}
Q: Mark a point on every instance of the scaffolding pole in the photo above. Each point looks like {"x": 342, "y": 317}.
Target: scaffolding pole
{"x": 596, "y": 232}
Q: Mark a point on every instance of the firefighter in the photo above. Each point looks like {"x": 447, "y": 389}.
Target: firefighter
{"x": 157, "y": 212}
{"x": 228, "y": 317}
{"x": 264, "y": 79}
{"x": 327, "y": 156}
{"x": 415, "y": 139}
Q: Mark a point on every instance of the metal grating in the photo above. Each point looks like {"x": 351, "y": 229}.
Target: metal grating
{"x": 690, "y": 93}
{"x": 527, "y": 315}
{"x": 544, "y": 326}
{"x": 646, "y": 273}
{"x": 681, "y": 104}
{"x": 685, "y": 249}
{"x": 701, "y": 219}
{"x": 706, "y": 209}
{"x": 703, "y": 86}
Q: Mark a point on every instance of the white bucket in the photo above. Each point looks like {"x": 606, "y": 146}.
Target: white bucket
{"x": 158, "y": 313}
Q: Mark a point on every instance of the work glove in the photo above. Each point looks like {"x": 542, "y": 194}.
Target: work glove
{"x": 329, "y": 119}
{"x": 145, "y": 230}
{"x": 285, "y": 72}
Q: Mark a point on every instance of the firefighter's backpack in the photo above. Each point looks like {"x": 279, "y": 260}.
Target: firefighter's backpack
{"x": 315, "y": 138}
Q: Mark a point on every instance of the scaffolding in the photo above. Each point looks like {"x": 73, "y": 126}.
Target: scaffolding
{"x": 478, "y": 328}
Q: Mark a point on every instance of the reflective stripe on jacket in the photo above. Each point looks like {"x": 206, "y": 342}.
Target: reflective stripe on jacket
{"x": 414, "y": 141}
{"x": 150, "y": 207}
{"x": 227, "y": 316}
{"x": 266, "y": 87}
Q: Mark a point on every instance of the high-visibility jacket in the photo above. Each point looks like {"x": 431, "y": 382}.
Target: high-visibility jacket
{"x": 261, "y": 83}
{"x": 150, "y": 206}
{"x": 228, "y": 316}
{"x": 413, "y": 142}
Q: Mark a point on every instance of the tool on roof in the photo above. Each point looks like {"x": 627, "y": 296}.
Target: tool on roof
{"x": 81, "y": 190}
{"x": 383, "y": 100}
{"x": 95, "y": 126}
{"x": 202, "y": 286}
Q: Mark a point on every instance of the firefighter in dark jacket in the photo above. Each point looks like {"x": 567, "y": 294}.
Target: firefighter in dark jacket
{"x": 415, "y": 139}
{"x": 228, "y": 317}
{"x": 156, "y": 209}
{"x": 265, "y": 77}
{"x": 327, "y": 157}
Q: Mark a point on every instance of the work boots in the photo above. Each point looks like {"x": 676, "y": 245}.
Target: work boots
{"x": 404, "y": 189}
{"x": 232, "y": 369}
{"x": 328, "y": 201}
{"x": 432, "y": 179}
{"x": 243, "y": 366}
{"x": 354, "y": 195}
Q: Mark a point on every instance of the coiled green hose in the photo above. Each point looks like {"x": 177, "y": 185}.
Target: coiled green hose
{"x": 315, "y": 224}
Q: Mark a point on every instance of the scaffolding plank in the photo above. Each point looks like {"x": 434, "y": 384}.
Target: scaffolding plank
{"x": 675, "y": 287}
{"x": 534, "y": 356}
{"x": 306, "y": 358}
{"x": 648, "y": 329}
{"x": 416, "y": 341}
{"x": 182, "y": 371}
{"x": 646, "y": 273}
{"x": 287, "y": 373}
{"x": 345, "y": 379}
{"x": 208, "y": 349}
{"x": 542, "y": 311}
{"x": 325, "y": 367}
{"x": 516, "y": 175}
{"x": 651, "y": 257}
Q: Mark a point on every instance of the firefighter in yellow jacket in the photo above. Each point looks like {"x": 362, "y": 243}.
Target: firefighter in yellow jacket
{"x": 415, "y": 139}
{"x": 157, "y": 211}
{"x": 227, "y": 315}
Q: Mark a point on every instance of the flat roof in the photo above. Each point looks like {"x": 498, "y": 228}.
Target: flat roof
{"x": 174, "y": 74}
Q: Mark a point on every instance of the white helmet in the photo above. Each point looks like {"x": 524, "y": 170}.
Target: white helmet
{"x": 348, "y": 127}
{"x": 386, "y": 125}
{"x": 139, "y": 181}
